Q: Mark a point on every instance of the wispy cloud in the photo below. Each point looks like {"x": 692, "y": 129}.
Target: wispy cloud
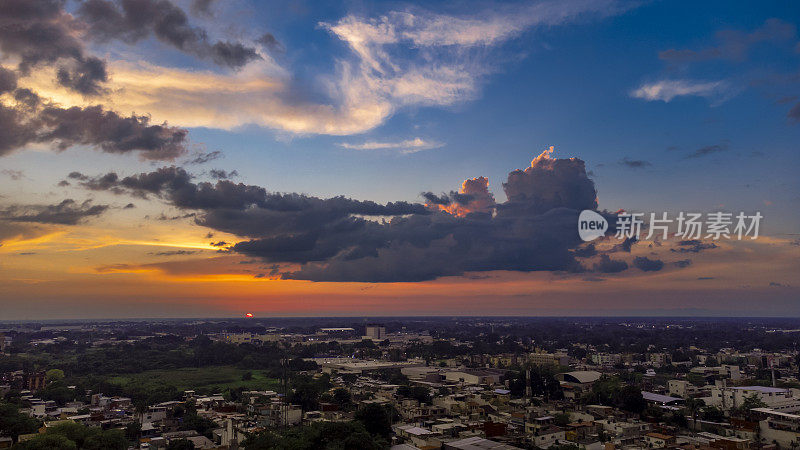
{"x": 396, "y": 60}
{"x": 408, "y": 146}
{"x": 634, "y": 163}
{"x": 707, "y": 150}
{"x": 666, "y": 90}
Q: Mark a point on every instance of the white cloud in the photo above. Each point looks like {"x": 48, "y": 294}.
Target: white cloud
{"x": 408, "y": 146}
{"x": 398, "y": 60}
{"x": 666, "y": 90}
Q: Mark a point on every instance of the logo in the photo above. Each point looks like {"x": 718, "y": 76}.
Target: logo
{"x": 591, "y": 225}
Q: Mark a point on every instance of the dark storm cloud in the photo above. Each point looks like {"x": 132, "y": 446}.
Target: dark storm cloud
{"x": 68, "y": 212}
{"x": 92, "y": 126}
{"x": 608, "y": 265}
{"x": 134, "y": 20}
{"x": 682, "y": 263}
{"x": 334, "y": 239}
{"x": 707, "y": 150}
{"x": 648, "y": 265}
{"x": 634, "y": 163}
{"x": 40, "y": 32}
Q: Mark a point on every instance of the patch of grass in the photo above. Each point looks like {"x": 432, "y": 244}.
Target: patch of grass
{"x": 204, "y": 380}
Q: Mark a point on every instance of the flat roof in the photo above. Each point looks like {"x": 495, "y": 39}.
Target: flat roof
{"x": 653, "y": 397}
{"x": 765, "y": 389}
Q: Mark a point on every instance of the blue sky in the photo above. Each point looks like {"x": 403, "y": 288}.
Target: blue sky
{"x": 566, "y": 85}
{"x": 672, "y": 105}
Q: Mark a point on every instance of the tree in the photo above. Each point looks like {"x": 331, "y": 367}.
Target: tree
{"x": 750, "y": 402}
{"x": 419, "y": 393}
{"x": 318, "y": 435}
{"x": 342, "y": 397}
{"x": 54, "y": 375}
{"x": 693, "y": 406}
{"x": 376, "y": 419}
{"x": 561, "y": 419}
{"x": 13, "y": 423}
{"x": 47, "y": 442}
{"x": 106, "y": 440}
{"x": 631, "y": 399}
{"x": 133, "y": 430}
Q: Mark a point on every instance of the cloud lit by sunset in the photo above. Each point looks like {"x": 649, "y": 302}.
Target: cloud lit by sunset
{"x": 391, "y": 159}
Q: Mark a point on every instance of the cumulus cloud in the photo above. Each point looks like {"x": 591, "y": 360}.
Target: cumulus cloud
{"x": 40, "y": 32}
{"x": 550, "y": 183}
{"x": 406, "y": 146}
{"x": 666, "y": 90}
{"x": 68, "y": 212}
{"x": 341, "y": 239}
{"x": 473, "y": 198}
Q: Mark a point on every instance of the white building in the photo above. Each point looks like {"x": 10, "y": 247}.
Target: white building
{"x": 727, "y": 398}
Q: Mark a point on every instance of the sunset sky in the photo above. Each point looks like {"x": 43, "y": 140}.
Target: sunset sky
{"x": 170, "y": 158}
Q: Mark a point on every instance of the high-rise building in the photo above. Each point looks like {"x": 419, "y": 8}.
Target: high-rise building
{"x": 375, "y": 332}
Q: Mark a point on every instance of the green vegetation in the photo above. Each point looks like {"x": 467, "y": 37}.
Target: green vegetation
{"x": 610, "y": 391}
{"x": 207, "y": 380}
{"x": 13, "y": 423}
{"x": 74, "y": 436}
{"x": 317, "y": 436}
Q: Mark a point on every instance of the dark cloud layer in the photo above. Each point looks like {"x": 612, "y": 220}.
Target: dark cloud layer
{"x": 693, "y": 246}
{"x": 68, "y": 212}
{"x": 648, "y": 265}
{"x": 608, "y": 265}
{"x": 34, "y": 121}
{"x": 341, "y": 239}
{"x": 134, "y": 20}
{"x": 40, "y": 32}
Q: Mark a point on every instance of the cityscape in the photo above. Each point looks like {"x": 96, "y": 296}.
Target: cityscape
{"x": 403, "y": 383}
